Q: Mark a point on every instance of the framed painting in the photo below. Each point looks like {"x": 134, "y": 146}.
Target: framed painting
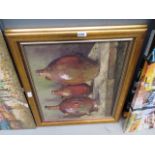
{"x": 14, "y": 110}
{"x": 76, "y": 75}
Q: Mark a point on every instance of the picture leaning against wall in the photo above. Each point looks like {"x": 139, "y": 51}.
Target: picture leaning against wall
{"x": 14, "y": 110}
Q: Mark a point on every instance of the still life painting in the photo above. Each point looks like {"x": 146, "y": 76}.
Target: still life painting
{"x": 76, "y": 80}
{"x": 76, "y": 75}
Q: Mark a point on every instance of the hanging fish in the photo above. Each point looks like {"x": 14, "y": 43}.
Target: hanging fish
{"x": 76, "y": 106}
{"x": 73, "y": 90}
{"x": 70, "y": 70}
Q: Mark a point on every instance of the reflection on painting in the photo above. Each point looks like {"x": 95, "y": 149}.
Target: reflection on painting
{"x": 78, "y": 80}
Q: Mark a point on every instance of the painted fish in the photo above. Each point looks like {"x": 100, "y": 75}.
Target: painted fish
{"x": 76, "y": 106}
{"x": 70, "y": 70}
{"x": 73, "y": 90}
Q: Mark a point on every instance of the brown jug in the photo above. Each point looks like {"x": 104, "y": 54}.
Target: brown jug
{"x": 73, "y": 90}
{"x": 76, "y": 106}
{"x": 70, "y": 70}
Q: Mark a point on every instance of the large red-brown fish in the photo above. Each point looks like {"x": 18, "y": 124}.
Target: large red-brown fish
{"x": 76, "y": 106}
{"x": 70, "y": 70}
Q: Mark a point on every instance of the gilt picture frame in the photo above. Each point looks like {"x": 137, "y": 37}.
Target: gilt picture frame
{"x": 76, "y": 75}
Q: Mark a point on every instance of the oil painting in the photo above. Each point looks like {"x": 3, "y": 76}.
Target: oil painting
{"x": 14, "y": 110}
{"x": 76, "y": 75}
{"x": 77, "y": 80}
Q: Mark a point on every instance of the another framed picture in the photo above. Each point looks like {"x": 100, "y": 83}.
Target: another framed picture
{"x": 76, "y": 75}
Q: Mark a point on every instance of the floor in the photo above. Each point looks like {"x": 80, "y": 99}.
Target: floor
{"x": 91, "y": 129}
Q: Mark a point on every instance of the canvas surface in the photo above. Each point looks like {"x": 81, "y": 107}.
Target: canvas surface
{"x": 108, "y": 55}
{"x": 14, "y": 109}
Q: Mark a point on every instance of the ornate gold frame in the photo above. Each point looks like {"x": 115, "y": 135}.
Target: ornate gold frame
{"x": 17, "y": 36}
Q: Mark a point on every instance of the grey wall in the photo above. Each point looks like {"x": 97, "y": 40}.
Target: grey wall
{"x": 32, "y": 23}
